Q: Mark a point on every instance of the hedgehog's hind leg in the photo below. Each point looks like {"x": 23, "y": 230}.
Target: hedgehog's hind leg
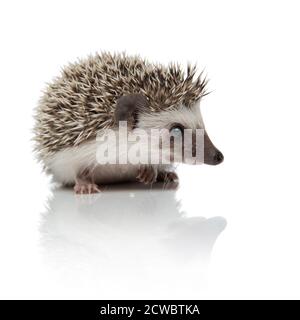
{"x": 84, "y": 183}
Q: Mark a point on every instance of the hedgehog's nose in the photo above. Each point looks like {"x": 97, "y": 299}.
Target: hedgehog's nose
{"x": 212, "y": 155}
{"x": 218, "y": 157}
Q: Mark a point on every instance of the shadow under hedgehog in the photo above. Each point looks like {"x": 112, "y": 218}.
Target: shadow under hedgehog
{"x": 96, "y": 94}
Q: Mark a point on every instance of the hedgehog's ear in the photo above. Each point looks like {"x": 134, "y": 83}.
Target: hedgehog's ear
{"x": 128, "y": 107}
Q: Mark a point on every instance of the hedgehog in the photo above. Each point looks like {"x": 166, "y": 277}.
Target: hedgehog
{"x": 97, "y": 94}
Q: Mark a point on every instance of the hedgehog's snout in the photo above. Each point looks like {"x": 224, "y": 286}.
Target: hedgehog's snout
{"x": 212, "y": 155}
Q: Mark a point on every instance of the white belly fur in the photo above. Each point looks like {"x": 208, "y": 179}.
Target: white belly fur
{"x": 66, "y": 164}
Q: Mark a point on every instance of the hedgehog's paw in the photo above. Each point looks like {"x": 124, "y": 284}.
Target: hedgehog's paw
{"x": 169, "y": 178}
{"x": 147, "y": 174}
{"x": 86, "y": 188}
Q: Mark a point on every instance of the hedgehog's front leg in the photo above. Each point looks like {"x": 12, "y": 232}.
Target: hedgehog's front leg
{"x": 147, "y": 174}
{"x": 168, "y": 177}
{"x": 84, "y": 183}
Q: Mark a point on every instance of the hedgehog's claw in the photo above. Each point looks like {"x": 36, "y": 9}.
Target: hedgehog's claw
{"x": 169, "y": 178}
{"x": 86, "y": 188}
{"x": 147, "y": 174}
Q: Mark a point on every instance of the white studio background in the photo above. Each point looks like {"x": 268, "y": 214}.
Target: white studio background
{"x": 53, "y": 247}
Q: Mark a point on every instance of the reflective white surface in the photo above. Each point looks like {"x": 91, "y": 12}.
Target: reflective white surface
{"x": 230, "y": 231}
{"x": 128, "y": 240}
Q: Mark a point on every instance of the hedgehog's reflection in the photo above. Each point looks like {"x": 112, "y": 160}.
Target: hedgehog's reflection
{"x": 124, "y": 231}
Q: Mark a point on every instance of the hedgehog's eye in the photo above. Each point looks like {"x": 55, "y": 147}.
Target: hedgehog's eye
{"x": 176, "y": 130}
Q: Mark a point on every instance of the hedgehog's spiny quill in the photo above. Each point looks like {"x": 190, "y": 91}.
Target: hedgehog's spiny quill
{"x": 79, "y": 103}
